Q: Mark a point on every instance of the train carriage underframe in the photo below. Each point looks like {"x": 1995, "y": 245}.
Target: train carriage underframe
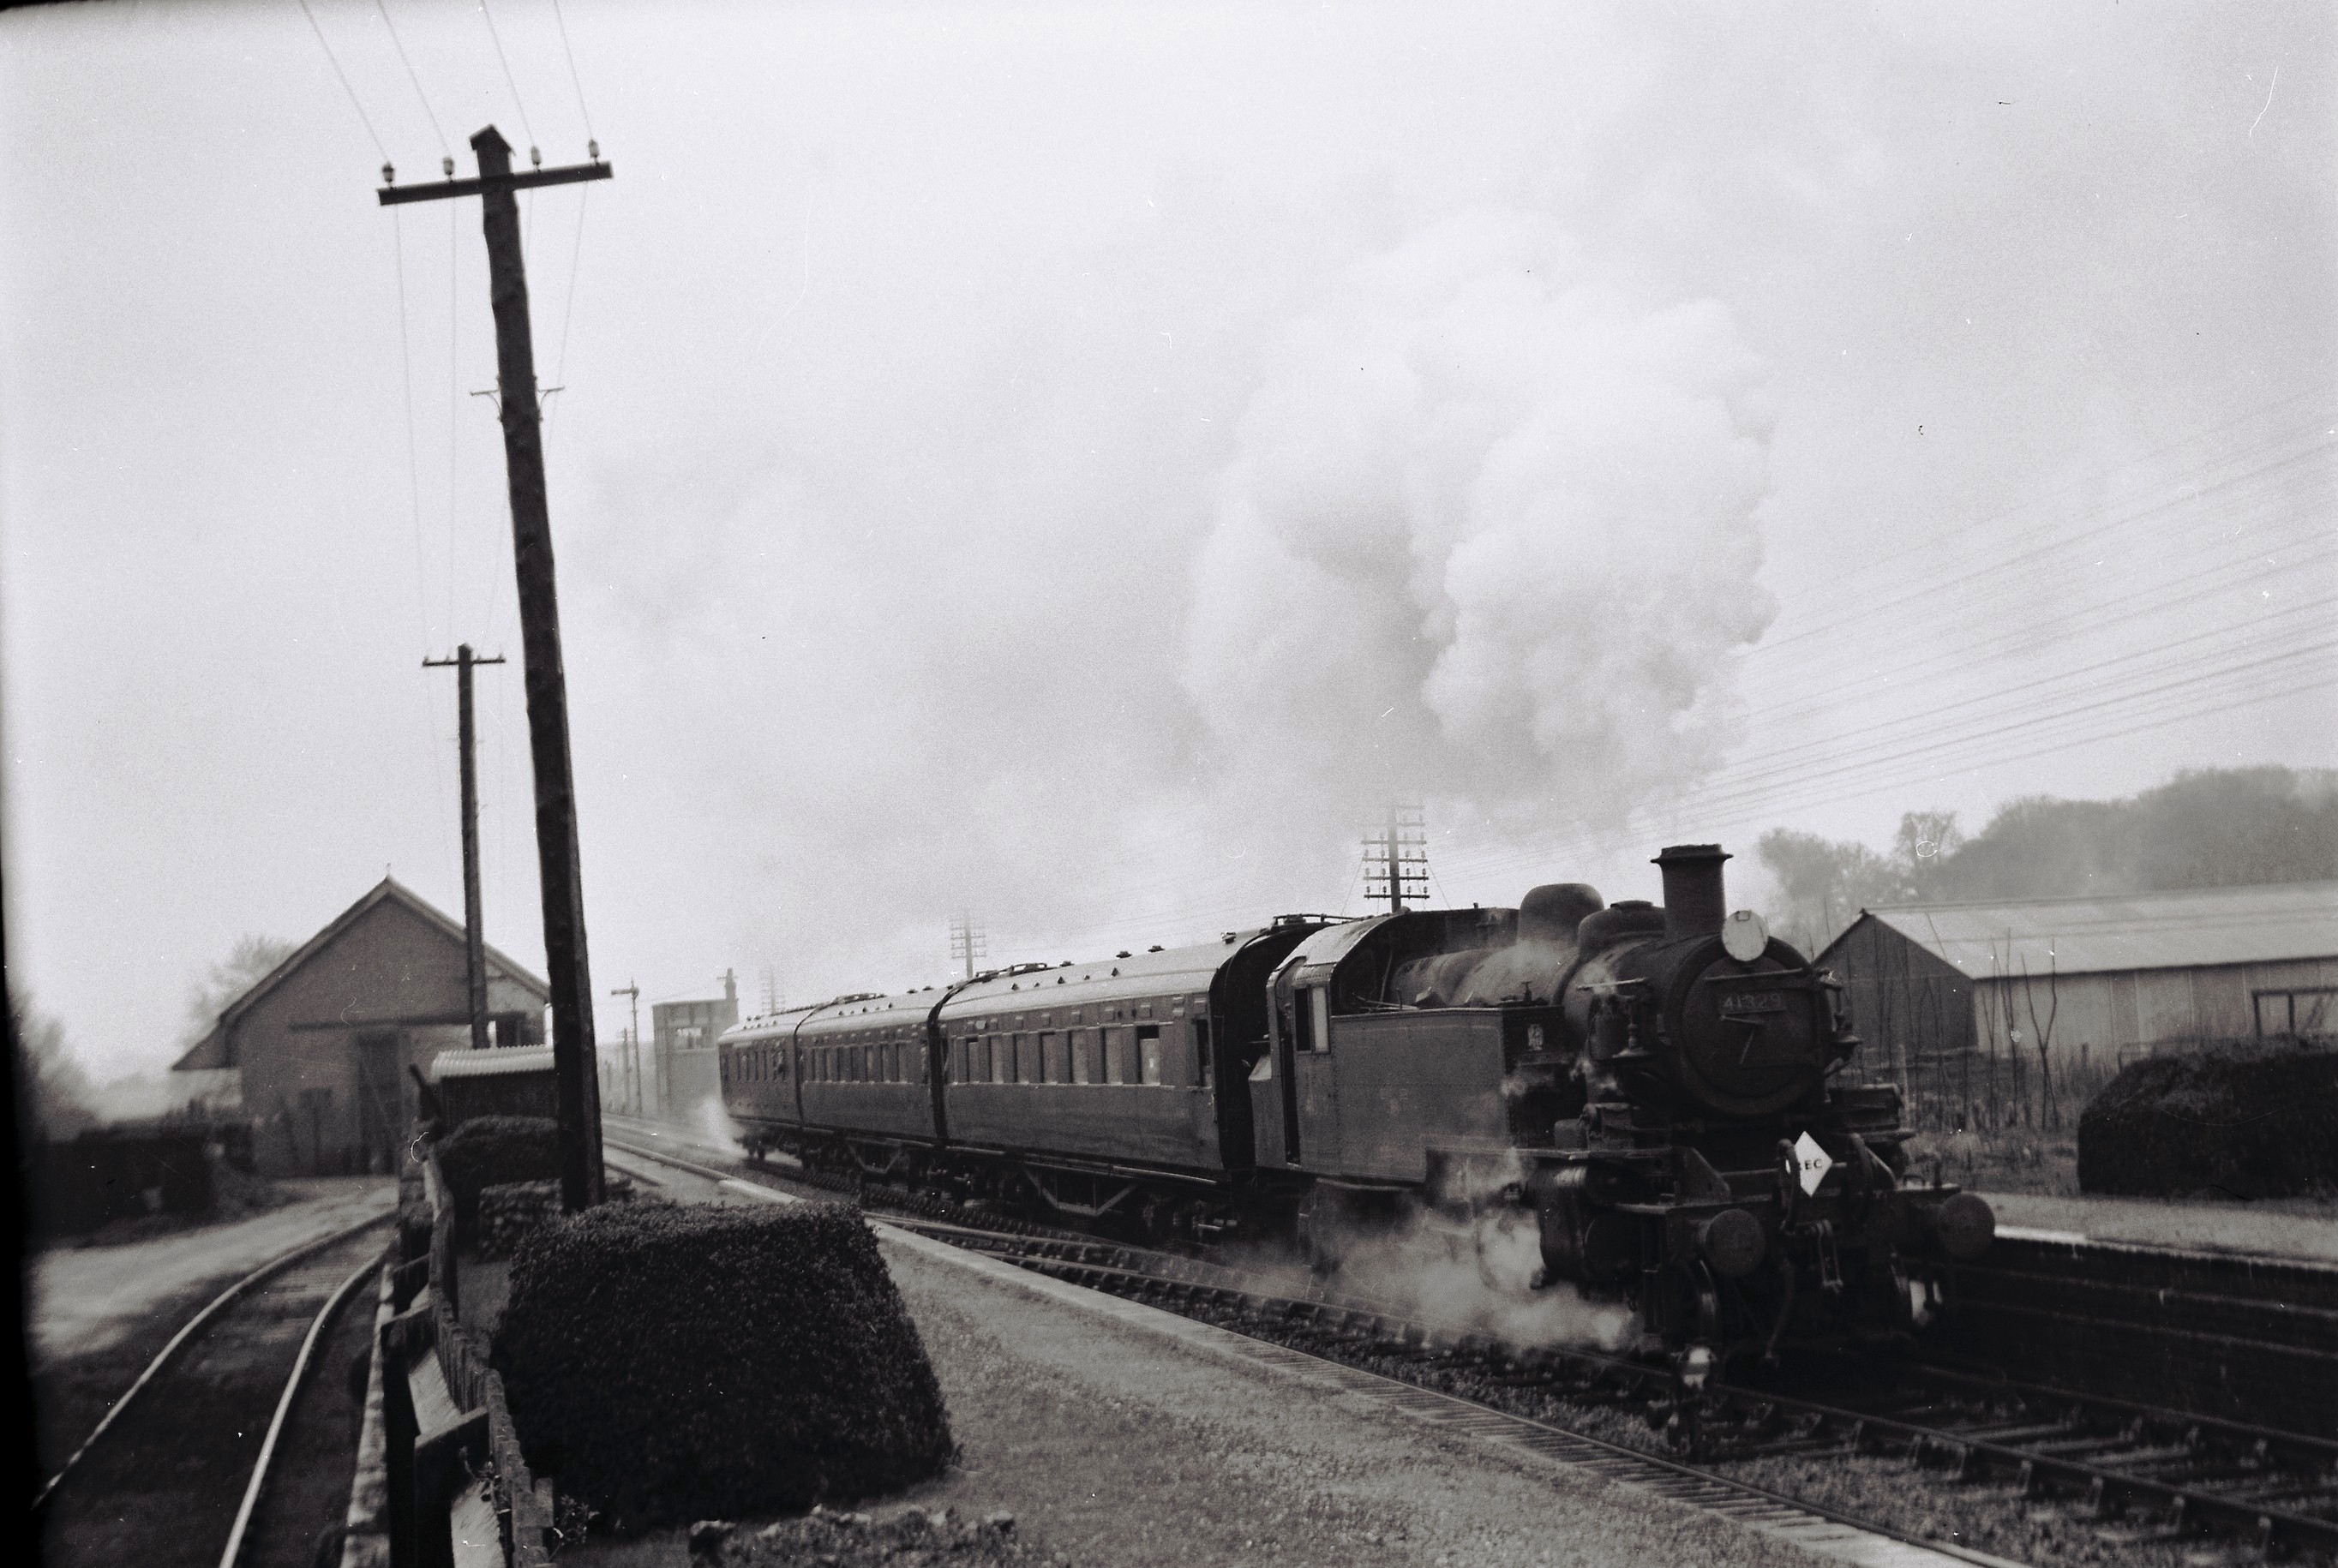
{"x": 1150, "y": 1205}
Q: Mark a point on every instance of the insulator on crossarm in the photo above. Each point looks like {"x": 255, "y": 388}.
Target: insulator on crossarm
{"x": 593, "y": 150}
{"x": 535, "y": 157}
{"x": 390, "y": 174}
{"x": 449, "y": 165}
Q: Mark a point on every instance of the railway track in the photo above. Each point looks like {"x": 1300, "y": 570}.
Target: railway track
{"x": 177, "y": 1473}
{"x": 2126, "y": 1476}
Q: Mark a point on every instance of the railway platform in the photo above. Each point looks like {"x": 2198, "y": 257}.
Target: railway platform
{"x": 2296, "y": 1231}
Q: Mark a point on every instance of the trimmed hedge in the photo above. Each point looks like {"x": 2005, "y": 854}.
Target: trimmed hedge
{"x": 491, "y": 1151}
{"x": 669, "y": 1362}
{"x": 2221, "y": 1124}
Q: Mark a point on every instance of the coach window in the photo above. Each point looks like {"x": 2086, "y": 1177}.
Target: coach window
{"x": 1115, "y": 1055}
{"x": 1204, "y": 1069}
{"x": 1002, "y": 1059}
{"x": 1148, "y": 1049}
{"x": 1027, "y": 1059}
{"x": 1084, "y": 1057}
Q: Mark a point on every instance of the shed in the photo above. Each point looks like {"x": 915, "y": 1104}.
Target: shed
{"x": 514, "y": 1083}
{"x": 2078, "y": 986}
{"x": 323, "y": 1042}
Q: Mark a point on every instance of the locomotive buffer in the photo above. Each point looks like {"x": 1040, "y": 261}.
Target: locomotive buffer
{"x": 576, "y": 1086}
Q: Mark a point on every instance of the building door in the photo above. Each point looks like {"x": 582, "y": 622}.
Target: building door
{"x": 381, "y": 1103}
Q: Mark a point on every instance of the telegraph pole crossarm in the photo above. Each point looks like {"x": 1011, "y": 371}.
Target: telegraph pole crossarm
{"x": 444, "y": 189}
{"x": 576, "y": 1089}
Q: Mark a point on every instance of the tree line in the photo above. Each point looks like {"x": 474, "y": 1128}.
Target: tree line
{"x": 2207, "y": 828}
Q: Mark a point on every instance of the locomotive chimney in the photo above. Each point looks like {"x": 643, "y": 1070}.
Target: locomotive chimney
{"x": 1694, "y": 902}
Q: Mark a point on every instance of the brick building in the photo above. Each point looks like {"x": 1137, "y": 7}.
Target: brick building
{"x": 321, "y": 1043}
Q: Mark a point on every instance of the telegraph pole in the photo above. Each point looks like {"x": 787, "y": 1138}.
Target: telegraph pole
{"x": 575, "y": 1083}
{"x": 475, "y": 939}
{"x": 968, "y": 942}
{"x": 633, "y": 988}
{"x": 1396, "y": 863}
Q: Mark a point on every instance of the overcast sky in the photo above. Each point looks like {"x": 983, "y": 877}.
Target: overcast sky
{"x": 1075, "y": 465}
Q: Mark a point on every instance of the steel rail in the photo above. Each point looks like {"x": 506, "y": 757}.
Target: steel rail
{"x": 318, "y": 1329}
{"x": 193, "y": 1325}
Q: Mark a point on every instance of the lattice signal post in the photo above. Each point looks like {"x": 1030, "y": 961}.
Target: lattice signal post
{"x": 1396, "y": 860}
{"x": 576, "y": 1086}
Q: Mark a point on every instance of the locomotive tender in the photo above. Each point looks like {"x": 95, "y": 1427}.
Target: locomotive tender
{"x": 1651, "y": 1089}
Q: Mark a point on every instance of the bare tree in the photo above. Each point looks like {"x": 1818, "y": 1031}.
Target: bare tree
{"x": 248, "y": 963}
{"x": 54, "y": 1098}
{"x": 2050, "y": 1113}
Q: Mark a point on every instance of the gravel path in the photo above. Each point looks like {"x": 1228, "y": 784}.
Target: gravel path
{"x": 86, "y": 1299}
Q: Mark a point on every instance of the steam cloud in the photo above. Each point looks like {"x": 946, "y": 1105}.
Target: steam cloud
{"x": 1489, "y": 535}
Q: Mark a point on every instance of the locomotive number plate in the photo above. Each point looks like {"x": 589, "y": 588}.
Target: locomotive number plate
{"x": 1755, "y": 1002}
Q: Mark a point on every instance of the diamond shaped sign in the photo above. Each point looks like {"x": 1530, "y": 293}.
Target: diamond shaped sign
{"x": 1811, "y": 1164}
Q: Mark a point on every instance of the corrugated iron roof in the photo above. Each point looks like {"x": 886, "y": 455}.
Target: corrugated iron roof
{"x": 2183, "y": 930}
{"x": 495, "y": 1063}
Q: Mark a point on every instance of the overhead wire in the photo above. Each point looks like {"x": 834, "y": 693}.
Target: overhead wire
{"x": 445, "y": 148}
{"x": 504, "y": 62}
{"x": 1961, "y": 531}
{"x": 342, "y": 77}
{"x": 1834, "y": 791}
{"x": 1826, "y": 786}
{"x": 583, "y": 113}
{"x": 1926, "y": 590}
{"x": 1930, "y": 715}
{"x": 453, "y": 400}
{"x": 413, "y": 456}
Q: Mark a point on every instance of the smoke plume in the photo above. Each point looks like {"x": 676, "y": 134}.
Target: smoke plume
{"x": 1489, "y": 534}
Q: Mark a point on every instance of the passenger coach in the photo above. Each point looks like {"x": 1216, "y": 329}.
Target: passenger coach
{"x": 1092, "y": 1088}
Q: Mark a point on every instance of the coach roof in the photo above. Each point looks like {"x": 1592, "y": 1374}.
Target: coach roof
{"x": 1173, "y": 972}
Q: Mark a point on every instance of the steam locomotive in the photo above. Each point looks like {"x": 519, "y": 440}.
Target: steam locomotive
{"x": 1654, "y": 1094}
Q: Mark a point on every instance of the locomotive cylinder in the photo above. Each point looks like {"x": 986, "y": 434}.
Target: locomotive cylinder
{"x": 1695, "y": 904}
